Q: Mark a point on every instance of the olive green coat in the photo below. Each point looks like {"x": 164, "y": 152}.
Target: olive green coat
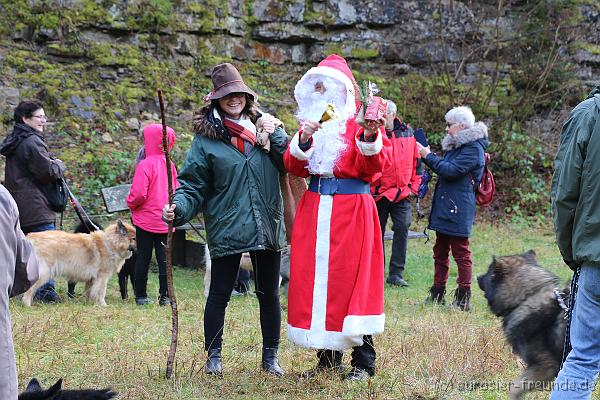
{"x": 576, "y": 187}
{"x": 239, "y": 195}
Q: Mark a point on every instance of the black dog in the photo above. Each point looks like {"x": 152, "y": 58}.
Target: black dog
{"x": 35, "y": 392}
{"x": 530, "y": 301}
{"x": 127, "y": 271}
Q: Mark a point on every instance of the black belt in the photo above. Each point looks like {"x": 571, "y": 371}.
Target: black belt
{"x": 332, "y": 186}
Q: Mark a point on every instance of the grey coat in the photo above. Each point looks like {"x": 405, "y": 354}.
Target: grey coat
{"x": 18, "y": 268}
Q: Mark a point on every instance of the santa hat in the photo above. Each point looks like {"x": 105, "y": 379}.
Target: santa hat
{"x": 334, "y": 67}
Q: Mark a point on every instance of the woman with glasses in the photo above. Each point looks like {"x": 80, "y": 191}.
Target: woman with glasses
{"x": 453, "y": 205}
{"x": 29, "y": 166}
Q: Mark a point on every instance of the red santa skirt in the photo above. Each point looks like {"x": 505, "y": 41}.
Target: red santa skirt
{"x": 336, "y": 273}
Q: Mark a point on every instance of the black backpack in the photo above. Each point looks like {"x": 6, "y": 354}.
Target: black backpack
{"x": 56, "y": 194}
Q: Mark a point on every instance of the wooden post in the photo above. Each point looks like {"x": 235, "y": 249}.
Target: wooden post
{"x": 169, "y": 255}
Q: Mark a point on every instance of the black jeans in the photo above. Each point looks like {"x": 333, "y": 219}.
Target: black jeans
{"x": 266, "y": 281}
{"x": 401, "y": 213}
{"x": 146, "y": 241}
{"x": 363, "y": 356}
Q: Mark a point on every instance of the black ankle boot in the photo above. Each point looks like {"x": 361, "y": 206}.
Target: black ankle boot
{"x": 270, "y": 364}
{"x": 462, "y": 299}
{"x": 213, "y": 362}
{"x": 436, "y": 295}
{"x": 329, "y": 360}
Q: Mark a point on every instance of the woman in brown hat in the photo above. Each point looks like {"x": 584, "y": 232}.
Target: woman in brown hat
{"x": 231, "y": 175}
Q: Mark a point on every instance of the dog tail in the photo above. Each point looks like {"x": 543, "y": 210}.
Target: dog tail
{"x": 88, "y": 394}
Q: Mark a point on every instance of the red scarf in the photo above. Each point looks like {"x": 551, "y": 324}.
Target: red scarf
{"x": 239, "y": 134}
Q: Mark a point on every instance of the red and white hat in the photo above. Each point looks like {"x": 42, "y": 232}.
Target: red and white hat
{"x": 334, "y": 67}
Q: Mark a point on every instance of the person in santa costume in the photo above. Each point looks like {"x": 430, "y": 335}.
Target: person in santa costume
{"x": 335, "y": 298}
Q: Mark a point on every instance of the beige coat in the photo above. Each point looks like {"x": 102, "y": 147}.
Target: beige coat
{"x": 18, "y": 268}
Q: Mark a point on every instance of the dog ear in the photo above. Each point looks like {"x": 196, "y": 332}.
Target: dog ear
{"x": 530, "y": 256}
{"x": 121, "y": 228}
{"x": 498, "y": 266}
{"x": 33, "y": 386}
{"x": 54, "y": 392}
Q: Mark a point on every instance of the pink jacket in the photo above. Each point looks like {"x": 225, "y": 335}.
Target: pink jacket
{"x": 149, "y": 190}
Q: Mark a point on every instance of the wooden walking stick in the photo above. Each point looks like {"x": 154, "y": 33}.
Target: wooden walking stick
{"x": 169, "y": 255}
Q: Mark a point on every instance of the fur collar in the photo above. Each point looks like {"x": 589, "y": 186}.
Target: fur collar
{"x": 206, "y": 124}
{"x": 476, "y": 132}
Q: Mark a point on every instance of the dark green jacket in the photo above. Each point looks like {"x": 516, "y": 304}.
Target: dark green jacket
{"x": 238, "y": 195}
{"x": 576, "y": 185}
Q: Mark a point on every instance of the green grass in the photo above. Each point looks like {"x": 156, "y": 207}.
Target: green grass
{"x": 425, "y": 353}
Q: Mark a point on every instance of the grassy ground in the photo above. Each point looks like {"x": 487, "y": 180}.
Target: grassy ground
{"x": 425, "y": 353}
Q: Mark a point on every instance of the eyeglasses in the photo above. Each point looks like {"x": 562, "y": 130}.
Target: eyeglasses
{"x": 448, "y": 124}
{"x": 39, "y": 116}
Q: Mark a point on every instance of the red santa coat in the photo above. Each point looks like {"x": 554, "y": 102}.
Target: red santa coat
{"x": 337, "y": 263}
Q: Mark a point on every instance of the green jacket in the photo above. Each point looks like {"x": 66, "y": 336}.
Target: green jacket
{"x": 575, "y": 185}
{"x": 238, "y": 195}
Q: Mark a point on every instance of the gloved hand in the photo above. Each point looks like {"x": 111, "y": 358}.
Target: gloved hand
{"x": 424, "y": 185}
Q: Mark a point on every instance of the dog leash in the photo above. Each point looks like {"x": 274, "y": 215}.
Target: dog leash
{"x": 80, "y": 211}
{"x": 561, "y": 303}
{"x": 569, "y": 315}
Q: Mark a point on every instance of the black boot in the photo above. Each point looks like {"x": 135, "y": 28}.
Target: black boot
{"x": 270, "y": 364}
{"x": 213, "y": 362}
{"x": 436, "y": 295}
{"x": 462, "y": 299}
{"x": 329, "y": 360}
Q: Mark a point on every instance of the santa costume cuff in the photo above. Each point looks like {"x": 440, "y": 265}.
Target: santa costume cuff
{"x": 369, "y": 148}
{"x": 295, "y": 150}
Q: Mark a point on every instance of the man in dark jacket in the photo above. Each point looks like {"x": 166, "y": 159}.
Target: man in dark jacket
{"x": 18, "y": 268}
{"x": 29, "y": 167}
{"x": 576, "y": 209}
{"x": 393, "y": 191}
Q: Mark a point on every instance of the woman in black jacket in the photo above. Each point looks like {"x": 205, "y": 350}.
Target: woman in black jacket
{"x": 29, "y": 167}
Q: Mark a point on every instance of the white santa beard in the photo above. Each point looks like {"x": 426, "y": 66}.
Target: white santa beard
{"x": 329, "y": 145}
{"x": 312, "y": 104}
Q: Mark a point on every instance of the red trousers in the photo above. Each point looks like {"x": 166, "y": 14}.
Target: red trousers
{"x": 461, "y": 254}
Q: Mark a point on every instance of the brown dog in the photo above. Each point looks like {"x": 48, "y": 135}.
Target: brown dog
{"x": 91, "y": 258}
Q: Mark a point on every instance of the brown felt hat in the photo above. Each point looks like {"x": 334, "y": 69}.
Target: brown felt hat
{"x": 226, "y": 80}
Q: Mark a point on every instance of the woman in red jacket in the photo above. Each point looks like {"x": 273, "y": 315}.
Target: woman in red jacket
{"x": 148, "y": 193}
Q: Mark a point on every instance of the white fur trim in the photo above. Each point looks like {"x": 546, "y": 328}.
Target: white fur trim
{"x": 468, "y": 135}
{"x": 319, "y": 306}
{"x": 363, "y": 324}
{"x": 370, "y": 148}
{"x": 354, "y": 328}
{"x": 296, "y": 152}
{"x": 321, "y": 339}
{"x": 350, "y": 107}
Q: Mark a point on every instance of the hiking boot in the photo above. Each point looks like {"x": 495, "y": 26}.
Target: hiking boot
{"x": 329, "y": 360}
{"x": 436, "y": 296}
{"x": 50, "y": 297}
{"x": 396, "y": 280}
{"x": 47, "y": 294}
{"x": 270, "y": 364}
{"x": 357, "y": 374}
{"x": 143, "y": 301}
{"x": 462, "y": 299}
{"x": 163, "y": 300}
{"x": 213, "y": 364}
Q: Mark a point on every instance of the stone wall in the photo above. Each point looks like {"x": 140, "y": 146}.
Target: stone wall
{"x": 97, "y": 63}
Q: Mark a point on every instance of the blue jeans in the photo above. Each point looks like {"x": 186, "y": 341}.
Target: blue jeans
{"x": 46, "y": 291}
{"x": 577, "y": 378}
